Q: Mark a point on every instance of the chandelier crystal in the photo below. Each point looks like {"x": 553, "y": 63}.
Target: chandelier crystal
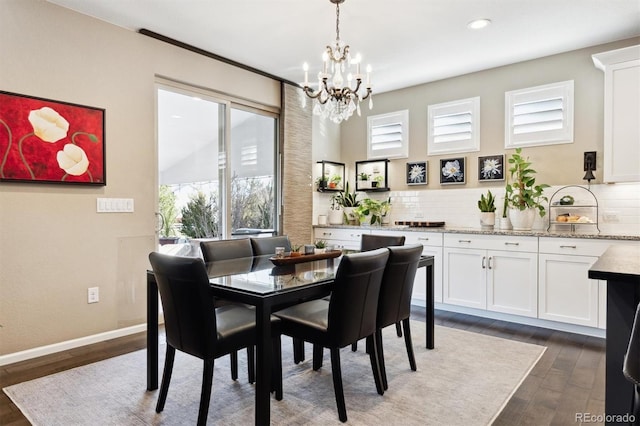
{"x": 334, "y": 99}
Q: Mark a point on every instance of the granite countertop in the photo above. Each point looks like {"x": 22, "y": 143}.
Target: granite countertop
{"x": 460, "y": 230}
{"x": 618, "y": 263}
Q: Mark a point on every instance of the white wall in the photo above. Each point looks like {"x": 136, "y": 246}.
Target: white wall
{"x": 54, "y": 244}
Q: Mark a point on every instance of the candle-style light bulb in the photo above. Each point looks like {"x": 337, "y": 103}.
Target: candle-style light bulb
{"x": 368, "y": 75}
{"x": 305, "y": 67}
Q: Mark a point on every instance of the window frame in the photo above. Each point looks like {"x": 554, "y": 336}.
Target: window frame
{"x": 457, "y": 107}
{"x": 397, "y": 117}
{"x": 563, "y": 90}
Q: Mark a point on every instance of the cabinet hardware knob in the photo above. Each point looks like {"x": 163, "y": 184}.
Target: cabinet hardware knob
{"x": 326, "y": 233}
{"x": 423, "y": 239}
{"x": 464, "y": 241}
{"x": 571, "y": 247}
{"x": 511, "y": 244}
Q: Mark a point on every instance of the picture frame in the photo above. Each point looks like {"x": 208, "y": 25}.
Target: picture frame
{"x": 452, "y": 171}
{"x": 417, "y": 173}
{"x": 49, "y": 141}
{"x": 491, "y": 168}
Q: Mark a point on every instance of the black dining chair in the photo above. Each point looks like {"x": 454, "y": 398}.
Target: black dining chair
{"x": 631, "y": 366}
{"x": 267, "y": 245}
{"x": 394, "y": 303}
{"x": 226, "y": 249}
{"x": 215, "y": 250}
{"x": 348, "y": 316}
{"x": 374, "y": 242}
{"x": 194, "y": 326}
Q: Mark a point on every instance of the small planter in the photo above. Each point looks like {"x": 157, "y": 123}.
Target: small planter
{"x": 487, "y": 220}
{"x": 351, "y": 217}
{"x": 335, "y": 217}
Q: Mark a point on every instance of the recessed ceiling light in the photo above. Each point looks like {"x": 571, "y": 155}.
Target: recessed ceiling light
{"x": 478, "y": 24}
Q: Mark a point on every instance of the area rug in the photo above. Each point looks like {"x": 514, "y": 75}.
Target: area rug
{"x": 466, "y": 380}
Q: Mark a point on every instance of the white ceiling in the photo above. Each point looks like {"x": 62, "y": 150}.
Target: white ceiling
{"x": 407, "y": 42}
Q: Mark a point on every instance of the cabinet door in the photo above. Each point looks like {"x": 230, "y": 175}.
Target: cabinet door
{"x": 512, "y": 283}
{"x": 464, "y": 277}
{"x": 566, "y": 292}
{"x": 621, "y": 132}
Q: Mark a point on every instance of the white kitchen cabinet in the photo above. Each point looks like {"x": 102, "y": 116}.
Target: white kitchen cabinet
{"x": 348, "y": 238}
{"x": 621, "y": 113}
{"x": 496, "y": 273}
{"x": 566, "y": 294}
{"x": 431, "y": 246}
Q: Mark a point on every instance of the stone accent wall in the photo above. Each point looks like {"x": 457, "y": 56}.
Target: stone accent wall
{"x": 297, "y": 203}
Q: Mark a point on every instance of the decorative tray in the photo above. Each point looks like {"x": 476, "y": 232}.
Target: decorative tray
{"x": 420, "y": 224}
{"x": 289, "y": 260}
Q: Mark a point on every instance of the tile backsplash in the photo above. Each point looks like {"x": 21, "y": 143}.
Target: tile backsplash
{"x": 618, "y": 206}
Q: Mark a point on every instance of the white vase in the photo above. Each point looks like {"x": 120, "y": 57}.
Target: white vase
{"x": 522, "y": 220}
{"x": 505, "y": 223}
{"x": 487, "y": 220}
{"x": 335, "y": 217}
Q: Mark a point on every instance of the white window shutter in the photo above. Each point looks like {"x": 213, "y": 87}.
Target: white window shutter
{"x": 541, "y": 115}
{"x": 454, "y": 127}
{"x": 388, "y": 135}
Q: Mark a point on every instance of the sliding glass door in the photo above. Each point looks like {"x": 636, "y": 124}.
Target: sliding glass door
{"x": 199, "y": 135}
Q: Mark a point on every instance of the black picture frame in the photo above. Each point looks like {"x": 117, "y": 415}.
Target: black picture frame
{"x": 491, "y": 168}
{"x": 453, "y": 171}
{"x": 417, "y": 173}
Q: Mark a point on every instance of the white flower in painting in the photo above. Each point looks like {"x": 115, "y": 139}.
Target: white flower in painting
{"x": 73, "y": 160}
{"x": 451, "y": 170}
{"x": 48, "y": 125}
{"x": 416, "y": 173}
{"x": 491, "y": 168}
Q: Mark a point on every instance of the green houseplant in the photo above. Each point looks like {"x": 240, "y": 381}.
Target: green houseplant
{"x": 372, "y": 211}
{"x": 348, "y": 201}
{"x": 487, "y": 208}
{"x": 523, "y": 196}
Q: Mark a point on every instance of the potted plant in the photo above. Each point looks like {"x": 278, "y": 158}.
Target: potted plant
{"x": 364, "y": 180}
{"x": 523, "y": 196}
{"x": 321, "y": 181}
{"x": 487, "y": 208}
{"x": 370, "y": 211}
{"x": 320, "y": 246}
{"x": 348, "y": 201}
{"x": 295, "y": 250}
{"x": 385, "y": 209}
{"x": 377, "y": 181}
{"x": 335, "y": 211}
{"x": 334, "y": 182}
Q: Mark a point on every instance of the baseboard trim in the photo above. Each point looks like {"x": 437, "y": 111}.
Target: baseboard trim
{"x": 69, "y": 344}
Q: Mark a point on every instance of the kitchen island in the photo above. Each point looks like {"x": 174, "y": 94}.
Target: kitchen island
{"x": 620, "y": 267}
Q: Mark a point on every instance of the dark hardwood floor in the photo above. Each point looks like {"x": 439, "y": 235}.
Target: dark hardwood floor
{"x": 568, "y": 379}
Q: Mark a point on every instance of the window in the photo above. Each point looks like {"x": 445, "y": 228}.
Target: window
{"x": 216, "y": 165}
{"x": 454, "y": 127}
{"x": 541, "y": 115}
{"x": 388, "y": 135}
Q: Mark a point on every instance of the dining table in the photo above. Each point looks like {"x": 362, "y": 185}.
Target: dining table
{"x": 258, "y": 282}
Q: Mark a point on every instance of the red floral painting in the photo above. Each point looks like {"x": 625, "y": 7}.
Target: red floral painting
{"x": 50, "y": 141}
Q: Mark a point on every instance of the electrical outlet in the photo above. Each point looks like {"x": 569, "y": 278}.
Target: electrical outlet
{"x": 93, "y": 295}
{"x": 611, "y": 216}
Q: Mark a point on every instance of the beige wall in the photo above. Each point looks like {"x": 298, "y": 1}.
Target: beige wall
{"x": 556, "y": 164}
{"x": 54, "y": 244}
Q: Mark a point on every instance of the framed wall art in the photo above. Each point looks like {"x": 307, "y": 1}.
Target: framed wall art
{"x": 47, "y": 141}
{"x": 491, "y": 168}
{"x": 452, "y": 171}
{"x": 417, "y": 173}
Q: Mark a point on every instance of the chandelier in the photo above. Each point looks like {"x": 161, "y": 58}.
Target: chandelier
{"x": 334, "y": 99}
